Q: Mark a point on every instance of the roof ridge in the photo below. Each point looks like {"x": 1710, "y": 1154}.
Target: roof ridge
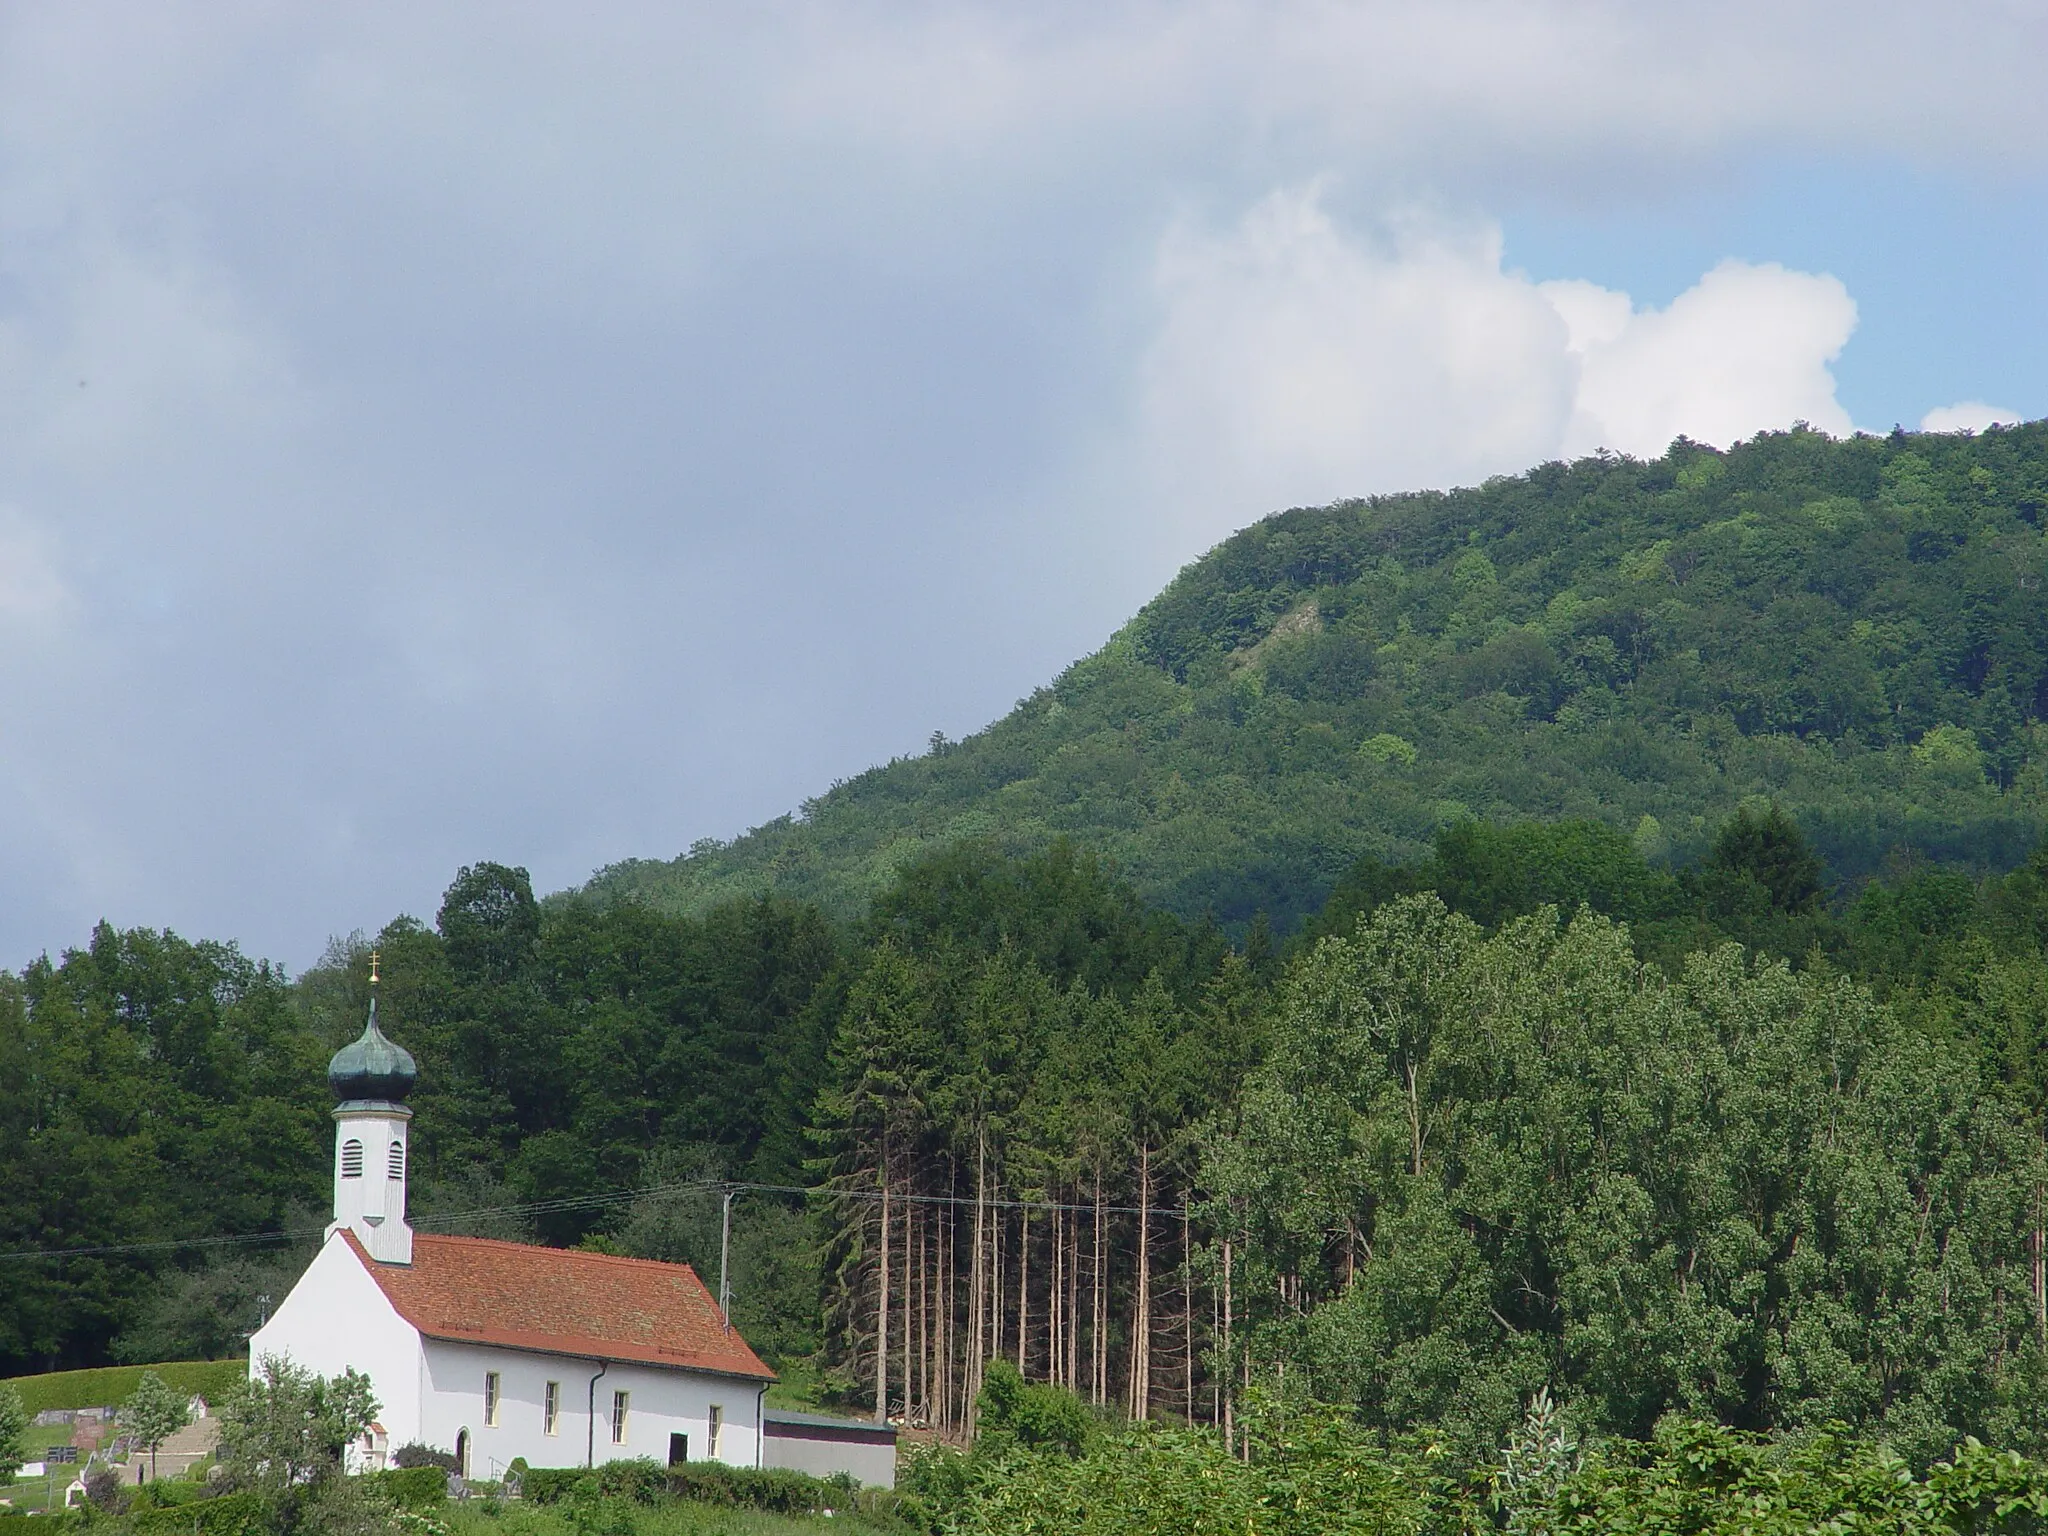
{"x": 579, "y": 1253}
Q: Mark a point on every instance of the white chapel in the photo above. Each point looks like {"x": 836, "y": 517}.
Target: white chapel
{"x": 500, "y": 1350}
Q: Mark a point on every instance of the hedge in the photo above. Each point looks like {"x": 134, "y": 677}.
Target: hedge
{"x": 232, "y": 1514}
{"x": 772, "y": 1490}
{"x": 111, "y": 1385}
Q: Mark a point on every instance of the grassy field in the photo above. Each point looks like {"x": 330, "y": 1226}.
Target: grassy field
{"x": 112, "y": 1385}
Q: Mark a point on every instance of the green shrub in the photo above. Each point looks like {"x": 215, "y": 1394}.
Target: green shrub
{"x": 168, "y": 1493}
{"x": 232, "y": 1514}
{"x": 775, "y": 1490}
{"x": 415, "y": 1488}
{"x": 1041, "y": 1416}
{"x": 551, "y": 1485}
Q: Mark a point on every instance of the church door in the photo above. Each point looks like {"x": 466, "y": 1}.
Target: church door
{"x": 462, "y": 1454}
{"x": 678, "y": 1450}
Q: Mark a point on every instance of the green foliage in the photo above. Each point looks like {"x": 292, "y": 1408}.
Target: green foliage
{"x": 1312, "y": 1476}
{"x": 1850, "y": 628}
{"x": 232, "y": 1514}
{"x": 415, "y": 1488}
{"x": 14, "y": 1422}
{"x": 1704, "y": 1478}
{"x": 1314, "y": 1473}
{"x": 1743, "y": 1193}
{"x": 150, "y": 1089}
{"x": 669, "y": 1517}
{"x": 776, "y": 1490}
{"x": 153, "y": 1414}
{"x": 285, "y": 1432}
{"x": 1038, "y": 1416}
{"x": 600, "y": 1492}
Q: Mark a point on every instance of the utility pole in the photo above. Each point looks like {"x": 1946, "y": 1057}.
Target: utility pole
{"x": 725, "y": 1260}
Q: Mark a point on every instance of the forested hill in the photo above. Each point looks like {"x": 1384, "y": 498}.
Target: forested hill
{"x": 1854, "y": 628}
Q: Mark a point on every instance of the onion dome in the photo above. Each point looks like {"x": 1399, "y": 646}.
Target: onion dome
{"x": 371, "y": 1067}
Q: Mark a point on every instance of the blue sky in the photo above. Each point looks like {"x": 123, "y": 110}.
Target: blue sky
{"x": 1950, "y": 272}
{"x": 442, "y": 432}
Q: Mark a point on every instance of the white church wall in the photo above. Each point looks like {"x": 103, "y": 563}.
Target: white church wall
{"x": 661, "y": 1403}
{"x": 336, "y": 1319}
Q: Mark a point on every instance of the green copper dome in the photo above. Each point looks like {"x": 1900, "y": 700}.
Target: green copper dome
{"x": 371, "y": 1067}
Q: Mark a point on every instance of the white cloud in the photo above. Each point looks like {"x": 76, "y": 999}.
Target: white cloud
{"x": 1298, "y": 363}
{"x": 1744, "y": 349}
{"x": 1968, "y": 416}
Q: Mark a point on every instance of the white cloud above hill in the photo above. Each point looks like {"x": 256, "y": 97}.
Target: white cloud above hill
{"x": 1968, "y": 416}
{"x": 1299, "y": 362}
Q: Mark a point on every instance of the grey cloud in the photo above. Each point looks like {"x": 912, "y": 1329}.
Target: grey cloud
{"x": 440, "y": 433}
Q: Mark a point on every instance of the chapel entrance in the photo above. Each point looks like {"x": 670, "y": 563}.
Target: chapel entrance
{"x": 462, "y": 1454}
{"x": 678, "y": 1450}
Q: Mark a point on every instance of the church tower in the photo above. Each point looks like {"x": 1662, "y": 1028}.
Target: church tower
{"x": 370, "y": 1078}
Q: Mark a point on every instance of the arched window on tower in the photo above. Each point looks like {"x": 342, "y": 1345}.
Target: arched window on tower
{"x": 351, "y": 1159}
{"x": 397, "y": 1162}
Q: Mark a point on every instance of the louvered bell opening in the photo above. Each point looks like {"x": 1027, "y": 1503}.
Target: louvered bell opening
{"x": 397, "y": 1161}
{"x": 351, "y": 1159}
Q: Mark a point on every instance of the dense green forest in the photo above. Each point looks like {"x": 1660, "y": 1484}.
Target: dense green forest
{"x": 1577, "y": 942}
{"x": 1470, "y": 1136}
{"x": 1854, "y": 627}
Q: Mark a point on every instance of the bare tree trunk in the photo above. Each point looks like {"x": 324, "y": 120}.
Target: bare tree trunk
{"x": 1024, "y": 1291}
{"x": 882, "y": 1305}
{"x": 910, "y": 1276}
{"x": 1187, "y": 1295}
{"x": 1244, "y": 1443}
{"x": 949, "y": 1259}
{"x": 1414, "y": 1124}
{"x": 1215, "y": 1377}
{"x": 998, "y": 1228}
{"x": 924, "y": 1315}
{"x": 1140, "y": 1386}
{"x": 1229, "y": 1325}
{"x": 970, "y": 1384}
{"x": 1098, "y": 1352}
{"x": 1074, "y": 1297}
{"x": 1055, "y": 1288}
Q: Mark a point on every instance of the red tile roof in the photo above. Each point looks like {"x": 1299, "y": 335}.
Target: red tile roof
{"x": 562, "y": 1301}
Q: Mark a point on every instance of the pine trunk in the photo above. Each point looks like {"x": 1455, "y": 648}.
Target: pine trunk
{"x": 882, "y": 1306}
{"x": 1229, "y": 1328}
{"x": 910, "y": 1274}
{"x": 1098, "y": 1362}
{"x": 1024, "y": 1292}
{"x": 1055, "y": 1288}
{"x": 1141, "y": 1312}
{"x": 970, "y": 1385}
{"x": 1074, "y": 1298}
{"x": 1187, "y": 1298}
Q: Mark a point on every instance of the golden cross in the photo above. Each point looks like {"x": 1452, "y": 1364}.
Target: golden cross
{"x": 373, "y": 967}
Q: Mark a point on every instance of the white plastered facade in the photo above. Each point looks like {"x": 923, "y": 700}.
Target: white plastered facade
{"x": 431, "y": 1391}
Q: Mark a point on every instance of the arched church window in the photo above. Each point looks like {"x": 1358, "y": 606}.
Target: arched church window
{"x": 397, "y": 1161}
{"x": 351, "y": 1159}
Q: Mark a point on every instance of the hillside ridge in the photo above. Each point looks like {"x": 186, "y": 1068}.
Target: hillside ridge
{"x": 1851, "y": 627}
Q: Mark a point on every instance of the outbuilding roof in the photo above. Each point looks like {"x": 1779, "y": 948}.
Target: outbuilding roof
{"x": 562, "y": 1301}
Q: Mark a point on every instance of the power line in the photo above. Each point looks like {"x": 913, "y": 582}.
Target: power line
{"x": 621, "y": 1196}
